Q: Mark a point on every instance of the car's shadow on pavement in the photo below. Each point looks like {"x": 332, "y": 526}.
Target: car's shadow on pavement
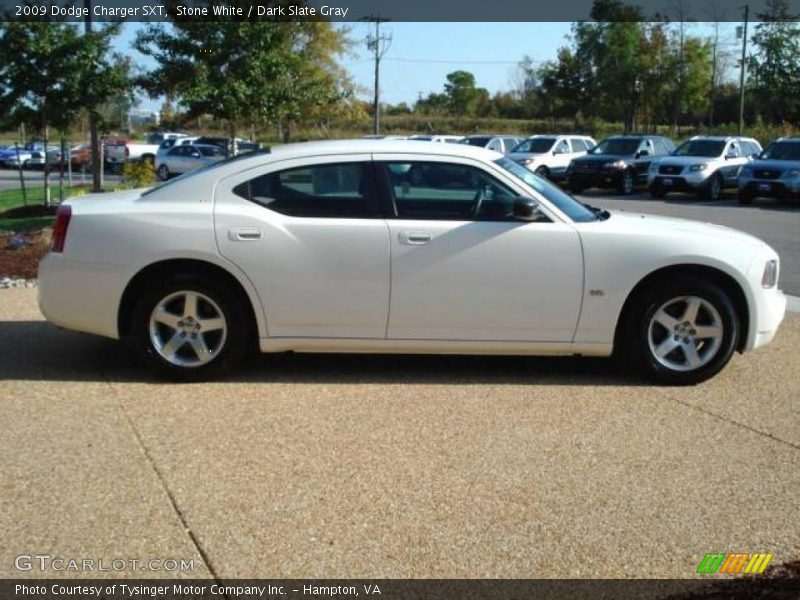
{"x": 39, "y": 351}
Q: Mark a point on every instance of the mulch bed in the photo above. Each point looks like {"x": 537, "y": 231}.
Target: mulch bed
{"x": 23, "y": 262}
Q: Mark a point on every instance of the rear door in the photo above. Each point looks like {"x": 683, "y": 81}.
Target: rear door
{"x": 310, "y": 235}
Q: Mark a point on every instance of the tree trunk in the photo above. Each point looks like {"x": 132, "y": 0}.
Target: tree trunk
{"x": 231, "y": 139}
{"x": 46, "y": 167}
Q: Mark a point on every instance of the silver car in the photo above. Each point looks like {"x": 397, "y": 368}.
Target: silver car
{"x": 184, "y": 158}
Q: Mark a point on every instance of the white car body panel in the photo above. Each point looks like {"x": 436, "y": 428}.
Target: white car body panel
{"x": 323, "y": 285}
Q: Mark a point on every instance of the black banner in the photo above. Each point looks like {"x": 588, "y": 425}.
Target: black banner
{"x": 396, "y": 589}
{"x": 359, "y": 10}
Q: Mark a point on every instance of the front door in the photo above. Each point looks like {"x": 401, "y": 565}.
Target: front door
{"x": 311, "y": 238}
{"x": 463, "y": 268}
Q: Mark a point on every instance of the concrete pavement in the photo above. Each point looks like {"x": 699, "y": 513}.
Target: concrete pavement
{"x": 381, "y": 466}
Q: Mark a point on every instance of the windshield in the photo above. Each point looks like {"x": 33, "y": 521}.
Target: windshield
{"x": 705, "y": 148}
{"x": 619, "y": 146}
{"x": 560, "y": 199}
{"x": 475, "y": 141}
{"x": 782, "y": 151}
{"x": 535, "y": 145}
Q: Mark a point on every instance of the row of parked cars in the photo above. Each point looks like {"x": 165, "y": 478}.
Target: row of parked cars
{"x": 705, "y": 165}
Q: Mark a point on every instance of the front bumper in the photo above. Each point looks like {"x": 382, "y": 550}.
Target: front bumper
{"x": 770, "y": 188}
{"x": 602, "y": 178}
{"x": 770, "y": 310}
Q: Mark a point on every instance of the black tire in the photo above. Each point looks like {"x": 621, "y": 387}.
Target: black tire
{"x": 163, "y": 172}
{"x": 657, "y": 191}
{"x": 633, "y": 344}
{"x": 230, "y": 351}
{"x": 745, "y": 197}
{"x": 626, "y": 183}
{"x": 543, "y": 172}
{"x": 715, "y": 186}
{"x": 575, "y": 186}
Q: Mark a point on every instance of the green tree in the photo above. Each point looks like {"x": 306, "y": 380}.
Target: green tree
{"x": 774, "y": 68}
{"x": 462, "y": 95}
{"x": 56, "y": 71}
{"x": 244, "y": 73}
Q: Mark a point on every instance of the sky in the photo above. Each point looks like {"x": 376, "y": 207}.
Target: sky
{"x": 422, "y": 54}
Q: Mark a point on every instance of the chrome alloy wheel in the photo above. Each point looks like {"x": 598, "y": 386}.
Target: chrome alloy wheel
{"x": 188, "y": 329}
{"x": 685, "y": 333}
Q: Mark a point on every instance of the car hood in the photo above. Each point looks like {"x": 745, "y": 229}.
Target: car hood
{"x": 522, "y": 155}
{"x": 776, "y": 165}
{"x": 685, "y": 161}
{"x": 602, "y": 158}
{"x": 645, "y": 223}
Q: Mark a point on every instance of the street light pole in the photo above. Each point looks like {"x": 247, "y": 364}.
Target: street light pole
{"x": 741, "y": 72}
{"x": 379, "y": 45}
{"x": 97, "y": 159}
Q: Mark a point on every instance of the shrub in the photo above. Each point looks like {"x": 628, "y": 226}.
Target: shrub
{"x": 138, "y": 173}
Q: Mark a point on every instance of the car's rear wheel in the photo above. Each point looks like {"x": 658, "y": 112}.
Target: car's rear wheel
{"x": 190, "y": 330}
{"x": 715, "y": 187}
{"x": 682, "y": 332}
{"x": 625, "y": 186}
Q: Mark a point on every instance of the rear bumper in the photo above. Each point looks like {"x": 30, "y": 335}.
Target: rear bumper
{"x": 79, "y": 295}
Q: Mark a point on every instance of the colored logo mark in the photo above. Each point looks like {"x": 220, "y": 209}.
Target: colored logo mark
{"x": 733, "y": 563}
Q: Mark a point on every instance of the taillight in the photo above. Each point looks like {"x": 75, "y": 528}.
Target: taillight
{"x": 63, "y": 215}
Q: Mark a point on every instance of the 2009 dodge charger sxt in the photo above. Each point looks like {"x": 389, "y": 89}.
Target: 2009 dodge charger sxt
{"x": 393, "y": 246}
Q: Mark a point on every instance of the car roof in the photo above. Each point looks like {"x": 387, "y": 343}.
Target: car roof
{"x": 382, "y": 147}
{"x": 722, "y": 138}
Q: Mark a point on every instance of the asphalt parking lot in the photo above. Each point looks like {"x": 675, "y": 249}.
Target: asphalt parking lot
{"x": 382, "y": 466}
{"x": 9, "y": 178}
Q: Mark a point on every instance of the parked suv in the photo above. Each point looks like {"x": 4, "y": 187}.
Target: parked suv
{"x": 620, "y": 162}
{"x": 775, "y": 173}
{"x": 703, "y": 164}
{"x": 549, "y": 155}
{"x": 499, "y": 143}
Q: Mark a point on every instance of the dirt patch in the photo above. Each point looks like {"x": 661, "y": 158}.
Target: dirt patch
{"x": 20, "y": 253}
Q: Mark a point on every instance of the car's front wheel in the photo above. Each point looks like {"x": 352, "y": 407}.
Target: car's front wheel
{"x": 683, "y": 332}
{"x": 188, "y": 329}
{"x": 715, "y": 186}
{"x": 163, "y": 172}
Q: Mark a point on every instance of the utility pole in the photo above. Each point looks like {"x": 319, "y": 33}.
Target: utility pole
{"x": 97, "y": 159}
{"x": 741, "y": 72}
{"x": 377, "y": 44}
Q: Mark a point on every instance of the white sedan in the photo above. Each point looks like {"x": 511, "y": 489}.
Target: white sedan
{"x": 332, "y": 247}
{"x": 182, "y": 158}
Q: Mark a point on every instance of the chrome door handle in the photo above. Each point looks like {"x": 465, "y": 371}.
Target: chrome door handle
{"x": 415, "y": 238}
{"x": 244, "y": 234}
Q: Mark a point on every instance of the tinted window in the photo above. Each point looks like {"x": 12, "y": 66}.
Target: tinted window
{"x": 341, "y": 190}
{"x": 782, "y": 151}
{"x": 660, "y": 147}
{"x": 706, "y": 148}
{"x": 536, "y": 145}
{"x": 619, "y": 146}
{"x": 480, "y": 140}
{"x": 578, "y": 145}
{"x": 177, "y": 151}
{"x": 560, "y": 199}
{"x": 446, "y": 191}
{"x": 212, "y": 151}
{"x": 496, "y": 144}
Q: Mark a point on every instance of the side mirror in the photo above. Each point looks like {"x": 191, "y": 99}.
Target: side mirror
{"x": 642, "y": 153}
{"x": 526, "y": 209}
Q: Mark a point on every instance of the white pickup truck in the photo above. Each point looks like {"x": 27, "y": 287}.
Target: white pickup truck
{"x": 120, "y": 152}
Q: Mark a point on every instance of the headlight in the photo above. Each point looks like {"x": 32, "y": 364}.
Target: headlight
{"x": 526, "y": 161}
{"x": 770, "y": 276}
{"x": 793, "y": 173}
{"x": 700, "y": 167}
{"x": 746, "y": 171}
{"x": 617, "y": 164}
